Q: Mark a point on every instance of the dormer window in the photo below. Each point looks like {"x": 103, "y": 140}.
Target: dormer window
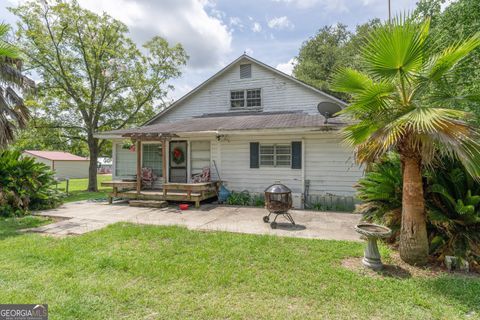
{"x": 245, "y": 71}
{"x": 246, "y": 99}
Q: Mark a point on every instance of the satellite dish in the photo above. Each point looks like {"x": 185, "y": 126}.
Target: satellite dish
{"x": 328, "y": 109}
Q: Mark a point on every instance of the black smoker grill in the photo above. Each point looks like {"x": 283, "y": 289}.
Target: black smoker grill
{"x": 278, "y": 200}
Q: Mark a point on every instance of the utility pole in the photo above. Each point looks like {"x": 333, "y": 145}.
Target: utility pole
{"x": 389, "y": 12}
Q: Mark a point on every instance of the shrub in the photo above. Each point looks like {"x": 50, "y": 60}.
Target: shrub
{"x": 453, "y": 202}
{"x": 258, "y": 200}
{"x": 25, "y": 185}
{"x": 452, "y": 206}
{"x": 239, "y": 198}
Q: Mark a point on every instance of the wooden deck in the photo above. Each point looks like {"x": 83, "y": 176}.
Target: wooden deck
{"x": 183, "y": 192}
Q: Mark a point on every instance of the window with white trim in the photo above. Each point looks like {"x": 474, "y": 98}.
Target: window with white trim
{"x": 275, "y": 155}
{"x": 125, "y": 161}
{"x": 249, "y": 98}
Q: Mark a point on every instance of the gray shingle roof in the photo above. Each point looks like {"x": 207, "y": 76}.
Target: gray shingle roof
{"x": 230, "y": 122}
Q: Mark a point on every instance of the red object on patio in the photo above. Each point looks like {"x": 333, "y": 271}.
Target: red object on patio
{"x": 183, "y": 206}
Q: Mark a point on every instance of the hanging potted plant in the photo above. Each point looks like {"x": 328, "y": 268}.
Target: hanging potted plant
{"x": 128, "y": 145}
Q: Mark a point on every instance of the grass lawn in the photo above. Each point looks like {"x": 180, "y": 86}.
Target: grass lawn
{"x": 147, "y": 272}
{"x": 9, "y": 226}
{"x": 78, "y": 187}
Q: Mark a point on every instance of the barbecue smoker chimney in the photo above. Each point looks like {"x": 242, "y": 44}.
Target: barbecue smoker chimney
{"x": 278, "y": 200}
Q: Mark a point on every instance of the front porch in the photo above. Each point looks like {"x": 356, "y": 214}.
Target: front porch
{"x": 165, "y": 174}
{"x": 183, "y": 192}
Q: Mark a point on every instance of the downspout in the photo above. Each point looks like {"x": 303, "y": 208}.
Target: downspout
{"x": 303, "y": 174}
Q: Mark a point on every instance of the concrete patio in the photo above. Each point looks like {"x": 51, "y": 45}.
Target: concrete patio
{"x": 84, "y": 216}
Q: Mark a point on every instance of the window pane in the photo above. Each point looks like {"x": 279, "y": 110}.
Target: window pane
{"x": 237, "y": 94}
{"x": 152, "y": 157}
{"x": 253, "y": 93}
{"x": 254, "y": 103}
{"x": 125, "y": 161}
{"x": 237, "y": 99}
{"x": 238, "y": 103}
{"x": 266, "y": 149}
{"x": 283, "y": 160}
{"x": 254, "y": 98}
{"x": 283, "y": 149}
{"x": 267, "y": 160}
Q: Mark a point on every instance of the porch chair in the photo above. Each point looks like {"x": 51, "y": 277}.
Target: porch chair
{"x": 202, "y": 177}
{"x": 148, "y": 177}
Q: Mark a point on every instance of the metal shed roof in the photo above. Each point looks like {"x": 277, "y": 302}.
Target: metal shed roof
{"x": 56, "y": 155}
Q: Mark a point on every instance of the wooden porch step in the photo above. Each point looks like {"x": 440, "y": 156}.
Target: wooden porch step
{"x": 148, "y": 203}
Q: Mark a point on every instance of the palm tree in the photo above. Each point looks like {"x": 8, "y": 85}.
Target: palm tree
{"x": 401, "y": 103}
{"x": 13, "y": 113}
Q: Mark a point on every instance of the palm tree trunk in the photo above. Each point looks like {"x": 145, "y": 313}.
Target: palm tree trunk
{"x": 413, "y": 233}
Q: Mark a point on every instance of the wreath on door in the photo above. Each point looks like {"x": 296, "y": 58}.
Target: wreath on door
{"x": 178, "y": 156}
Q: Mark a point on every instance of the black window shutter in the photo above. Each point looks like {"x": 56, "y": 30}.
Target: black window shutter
{"x": 296, "y": 154}
{"x": 254, "y": 154}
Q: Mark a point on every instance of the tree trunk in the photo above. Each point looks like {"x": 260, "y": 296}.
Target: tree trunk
{"x": 413, "y": 233}
{"x": 92, "y": 169}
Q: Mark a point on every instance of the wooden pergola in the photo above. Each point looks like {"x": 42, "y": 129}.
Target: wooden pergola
{"x": 192, "y": 192}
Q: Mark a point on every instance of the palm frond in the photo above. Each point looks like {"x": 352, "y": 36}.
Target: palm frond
{"x": 370, "y": 101}
{"x": 350, "y": 80}
{"x": 396, "y": 48}
{"x": 431, "y": 120}
{"x": 6, "y": 49}
{"x": 443, "y": 62}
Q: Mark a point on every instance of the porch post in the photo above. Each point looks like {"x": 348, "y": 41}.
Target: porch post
{"x": 139, "y": 165}
{"x": 164, "y": 164}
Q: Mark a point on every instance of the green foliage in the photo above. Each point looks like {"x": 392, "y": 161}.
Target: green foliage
{"x": 452, "y": 205}
{"x": 94, "y": 77}
{"x": 458, "y": 20}
{"x": 399, "y": 103}
{"x": 258, "y": 200}
{"x": 239, "y": 198}
{"x": 331, "y": 48}
{"x": 381, "y": 193}
{"x": 453, "y": 201}
{"x": 244, "y": 198}
{"x": 14, "y": 114}
{"x": 25, "y": 185}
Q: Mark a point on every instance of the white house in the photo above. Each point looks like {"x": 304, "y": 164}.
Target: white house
{"x": 252, "y": 123}
{"x": 64, "y": 164}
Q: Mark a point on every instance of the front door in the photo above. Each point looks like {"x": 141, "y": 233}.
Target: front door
{"x": 178, "y": 161}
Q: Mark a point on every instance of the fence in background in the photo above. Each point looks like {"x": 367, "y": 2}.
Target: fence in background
{"x": 330, "y": 203}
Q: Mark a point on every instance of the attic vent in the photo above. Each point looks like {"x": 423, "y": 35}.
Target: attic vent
{"x": 245, "y": 71}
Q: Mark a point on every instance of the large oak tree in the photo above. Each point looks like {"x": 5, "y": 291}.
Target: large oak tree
{"x": 93, "y": 76}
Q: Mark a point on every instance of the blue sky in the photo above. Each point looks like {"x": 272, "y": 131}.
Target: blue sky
{"x": 214, "y": 32}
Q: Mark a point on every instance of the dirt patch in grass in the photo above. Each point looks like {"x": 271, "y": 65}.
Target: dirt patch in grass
{"x": 394, "y": 267}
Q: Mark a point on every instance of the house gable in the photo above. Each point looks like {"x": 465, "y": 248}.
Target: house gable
{"x": 278, "y": 93}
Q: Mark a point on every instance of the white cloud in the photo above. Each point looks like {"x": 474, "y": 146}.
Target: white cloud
{"x": 249, "y": 51}
{"x": 196, "y": 24}
{"x": 280, "y": 23}
{"x": 236, "y": 23}
{"x": 256, "y": 27}
{"x": 335, "y": 5}
{"x": 288, "y": 66}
